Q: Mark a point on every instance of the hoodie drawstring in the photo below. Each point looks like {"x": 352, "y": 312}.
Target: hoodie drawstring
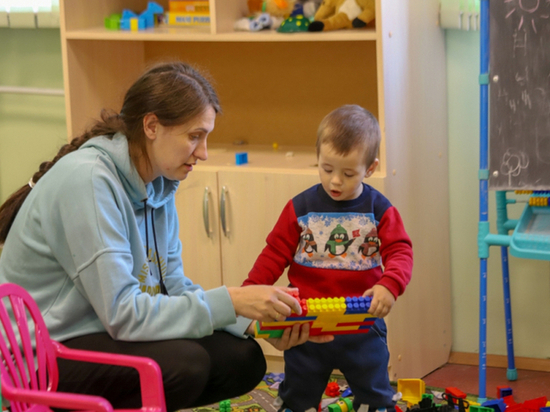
{"x": 163, "y": 289}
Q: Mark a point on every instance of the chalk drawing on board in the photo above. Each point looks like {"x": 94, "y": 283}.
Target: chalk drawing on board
{"x": 527, "y": 10}
{"x": 513, "y": 162}
{"x": 520, "y": 41}
{"x": 542, "y": 126}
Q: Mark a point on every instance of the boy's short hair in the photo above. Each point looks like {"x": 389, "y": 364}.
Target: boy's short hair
{"x": 349, "y": 127}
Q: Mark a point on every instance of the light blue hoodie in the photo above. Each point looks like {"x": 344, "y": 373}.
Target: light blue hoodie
{"x": 78, "y": 246}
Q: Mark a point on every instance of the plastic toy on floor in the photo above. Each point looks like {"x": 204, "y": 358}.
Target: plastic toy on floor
{"x": 327, "y": 316}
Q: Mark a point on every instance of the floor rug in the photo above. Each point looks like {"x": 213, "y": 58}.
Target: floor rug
{"x": 262, "y": 398}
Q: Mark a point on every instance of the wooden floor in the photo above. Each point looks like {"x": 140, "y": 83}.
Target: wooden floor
{"x": 529, "y": 385}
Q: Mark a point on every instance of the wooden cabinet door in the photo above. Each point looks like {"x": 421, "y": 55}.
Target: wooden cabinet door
{"x": 197, "y": 205}
{"x": 254, "y": 201}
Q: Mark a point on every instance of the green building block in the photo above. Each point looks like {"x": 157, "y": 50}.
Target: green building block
{"x": 113, "y": 21}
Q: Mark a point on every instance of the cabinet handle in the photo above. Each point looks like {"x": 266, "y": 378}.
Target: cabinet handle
{"x": 222, "y": 211}
{"x": 206, "y": 210}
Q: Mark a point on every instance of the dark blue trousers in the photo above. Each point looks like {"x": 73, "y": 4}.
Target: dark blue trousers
{"x": 362, "y": 358}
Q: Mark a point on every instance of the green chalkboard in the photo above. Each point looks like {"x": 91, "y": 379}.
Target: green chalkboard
{"x": 519, "y": 103}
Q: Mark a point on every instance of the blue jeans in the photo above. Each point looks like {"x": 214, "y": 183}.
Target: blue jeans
{"x": 362, "y": 358}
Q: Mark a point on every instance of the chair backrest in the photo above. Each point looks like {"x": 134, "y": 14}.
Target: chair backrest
{"x": 28, "y": 358}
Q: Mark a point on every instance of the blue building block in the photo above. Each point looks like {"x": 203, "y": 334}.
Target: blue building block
{"x": 143, "y": 21}
{"x": 358, "y": 304}
{"x": 148, "y": 15}
{"x": 497, "y": 404}
{"x": 126, "y": 20}
{"x": 347, "y": 392}
{"x": 241, "y": 158}
{"x": 503, "y": 391}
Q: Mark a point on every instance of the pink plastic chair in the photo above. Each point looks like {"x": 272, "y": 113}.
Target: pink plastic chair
{"x": 34, "y": 390}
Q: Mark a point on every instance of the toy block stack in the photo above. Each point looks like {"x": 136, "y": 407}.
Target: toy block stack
{"x": 129, "y": 20}
{"x": 188, "y": 13}
{"x": 327, "y": 316}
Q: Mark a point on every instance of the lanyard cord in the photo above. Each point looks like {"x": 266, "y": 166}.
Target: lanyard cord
{"x": 162, "y": 286}
{"x": 163, "y": 289}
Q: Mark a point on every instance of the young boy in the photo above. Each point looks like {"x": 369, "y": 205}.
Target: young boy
{"x": 335, "y": 236}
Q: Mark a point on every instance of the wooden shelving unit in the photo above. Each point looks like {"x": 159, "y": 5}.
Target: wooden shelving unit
{"x": 276, "y": 88}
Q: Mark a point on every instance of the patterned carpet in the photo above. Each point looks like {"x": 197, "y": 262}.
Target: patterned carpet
{"x": 260, "y": 399}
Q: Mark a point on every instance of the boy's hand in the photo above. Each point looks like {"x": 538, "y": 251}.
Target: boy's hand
{"x": 382, "y": 300}
{"x": 297, "y": 335}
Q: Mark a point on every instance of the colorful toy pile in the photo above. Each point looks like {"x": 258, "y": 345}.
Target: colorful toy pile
{"x": 413, "y": 394}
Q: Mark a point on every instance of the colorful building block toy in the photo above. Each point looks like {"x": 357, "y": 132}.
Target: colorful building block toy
{"x": 129, "y": 20}
{"x": 241, "y": 158}
{"x": 332, "y": 390}
{"x": 341, "y": 405}
{"x": 225, "y": 406}
{"x": 497, "y": 405}
{"x": 454, "y": 394}
{"x": 327, "y": 316}
{"x": 503, "y": 391}
{"x": 411, "y": 390}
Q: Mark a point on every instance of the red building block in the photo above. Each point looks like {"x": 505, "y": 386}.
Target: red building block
{"x": 455, "y": 394}
{"x": 533, "y": 405}
{"x": 332, "y": 390}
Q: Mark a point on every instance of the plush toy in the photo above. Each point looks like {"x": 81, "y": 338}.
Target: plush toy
{"x": 276, "y": 8}
{"x": 265, "y": 14}
{"x": 343, "y": 14}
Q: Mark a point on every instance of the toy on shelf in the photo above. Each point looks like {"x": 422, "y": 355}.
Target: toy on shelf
{"x": 327, "y": 316}
{"x": 285, "y": 16}
{"x": 241, "y": 158}
{"x": 188, "y": 13}
{"x": 294, "y": 24}
{"x": 343, "y": 14}
{"x": 129, "y": 20}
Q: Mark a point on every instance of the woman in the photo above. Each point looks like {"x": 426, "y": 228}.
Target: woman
{"x": 94, "y": 239}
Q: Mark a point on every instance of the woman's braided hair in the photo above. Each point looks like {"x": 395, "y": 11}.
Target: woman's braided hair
{"x": 174, "y": 91}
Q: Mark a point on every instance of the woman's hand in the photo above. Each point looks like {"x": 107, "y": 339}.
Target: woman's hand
{"x": 296, "y": 335}
{"x": 264, "y": 303}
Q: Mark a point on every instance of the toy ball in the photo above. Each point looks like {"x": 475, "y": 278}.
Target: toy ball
{"x": 294, "y": 24}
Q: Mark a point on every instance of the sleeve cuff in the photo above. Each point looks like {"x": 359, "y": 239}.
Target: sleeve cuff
{"x": 238, "y": 329}
{"x": 221, "y": 307}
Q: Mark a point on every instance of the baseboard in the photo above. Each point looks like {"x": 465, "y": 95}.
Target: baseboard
{"x": 501, "y": 361}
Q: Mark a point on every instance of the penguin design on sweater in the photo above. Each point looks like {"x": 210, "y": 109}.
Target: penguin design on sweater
{"x": 338, "y": 242}
{"x": 310, "y": 245}
{"x": 371, "y": 244}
